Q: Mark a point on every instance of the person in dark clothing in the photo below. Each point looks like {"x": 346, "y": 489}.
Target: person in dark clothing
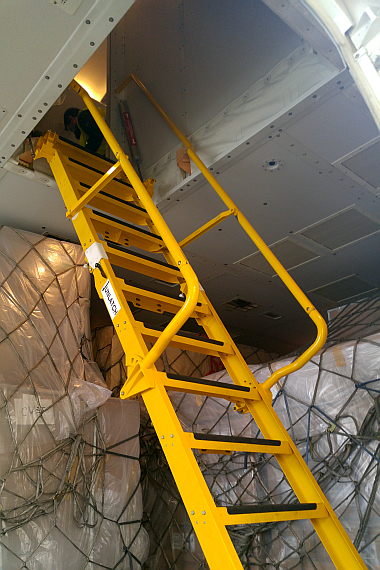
{"x": 83, "y": 125}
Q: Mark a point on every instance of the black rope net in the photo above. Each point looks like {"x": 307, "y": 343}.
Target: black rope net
{"x": 331, "y": 410}
{"x": 69, "y": 473}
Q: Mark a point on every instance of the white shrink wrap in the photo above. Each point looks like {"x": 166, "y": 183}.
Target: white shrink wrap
{"x": 69, "y": 468}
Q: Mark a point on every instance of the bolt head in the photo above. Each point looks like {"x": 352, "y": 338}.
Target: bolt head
{"x": 203, "y": 512}
{"x": 193, "y": 512}
{"x": 122, "y": 393}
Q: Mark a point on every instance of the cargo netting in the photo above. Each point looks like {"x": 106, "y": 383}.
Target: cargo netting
{"x": 70, "y": 494}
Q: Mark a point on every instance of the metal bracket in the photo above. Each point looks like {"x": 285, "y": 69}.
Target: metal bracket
{"x": 95, "y": 253}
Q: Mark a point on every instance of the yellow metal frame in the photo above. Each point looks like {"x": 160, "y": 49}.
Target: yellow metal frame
{"x": 192, "y": 284}
{"x": 208, "y": 520}
{"x": 261, "y": 245}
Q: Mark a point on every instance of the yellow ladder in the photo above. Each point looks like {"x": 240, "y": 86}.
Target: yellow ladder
{"x": 108, "y": 199}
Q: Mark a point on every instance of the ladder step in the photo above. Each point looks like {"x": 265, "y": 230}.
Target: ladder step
{"x": 249, "y": 509}
{"x": 237, "y": 439}
{"x": 85, "y": 177}
{"x": 83, "y": 172}
{"x": 139, "y": 263}
{"x": 156, "y": 303}
{"x": 231, "y": 392}
{"x": 208, "y": 382}
{"x": 123, "y": 233}
{"x": 185, "y": 341}
{"x": 88, "y": 157}
{"x": 253, "y": 514}
{"x": 116, "y": 206}
{"x": 227, "y": 444}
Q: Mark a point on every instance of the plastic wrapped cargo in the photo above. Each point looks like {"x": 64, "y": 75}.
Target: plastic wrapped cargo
{"x": 69, "y": 470}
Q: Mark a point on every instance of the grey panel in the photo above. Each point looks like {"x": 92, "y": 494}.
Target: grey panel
{"x": 196, "y": 57}
{"x": 290, "y": 254}
{"x": 366, "y": 164}
{"x": 342, "y": 229}
{"x": 335, "y": 128}
{"x": 346, "y": 288}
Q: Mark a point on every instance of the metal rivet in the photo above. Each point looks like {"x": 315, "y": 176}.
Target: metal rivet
{"x": 203, "y": 512}
{"x": 197, "y": 522}
{"x": 47, "y": 77}
{"x": 39, "y": 110}
{"x": 110, "y": 19}
{"x": 117, "y": 325}
{"x": 92, "y": 43}
{"x": 88, "y": 22}
{"x": 171, "y": 435}
{"x": 122, "y": 393}
{"x": 19, "y": 115}
{"x": 45, "y": 104}
{"x": 59, "y": 85}
{"x": 23, "y": 132}
{"x": 162, "y": 437}
{"x": 125, "y": 322}
{"x": 75, "y": 65}
{"x": 13, "y": 145}
{"x": 193, "y": 512}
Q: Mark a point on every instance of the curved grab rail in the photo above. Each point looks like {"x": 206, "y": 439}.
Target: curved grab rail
{"x": 185, "y": 268}
{"x": 267, "y": 253}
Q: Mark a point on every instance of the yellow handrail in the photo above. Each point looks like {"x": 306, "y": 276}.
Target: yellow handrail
{"x": 269, "y": 256}
{"x": 177, "y": 254}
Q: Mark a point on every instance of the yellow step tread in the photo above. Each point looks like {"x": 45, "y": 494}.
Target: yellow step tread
{"x": 125, "y": 234}
{"x": 121, "y": 257}
{"x": 157, "y": 303}
{"x": 185, "y": 343}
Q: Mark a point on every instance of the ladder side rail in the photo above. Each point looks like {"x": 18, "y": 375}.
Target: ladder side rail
{"x": 191, "y": 279}
{"x": 298, "y": 294}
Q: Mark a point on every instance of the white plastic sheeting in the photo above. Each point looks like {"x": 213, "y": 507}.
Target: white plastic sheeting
{"x": 287, "y": 84}
{"x": 69, "y": 470}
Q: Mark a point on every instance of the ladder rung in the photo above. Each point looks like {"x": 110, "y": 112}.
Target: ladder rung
{"x": 194, "y": 336}
{"x": 123, "y": 257}
{"x": 156, "y": 303}
{"x": 122, "y": 223}
{"x": 210, "y": 443}
{"x": 237, "y": 439}
{"x": 251, "y": 514}
{"x": 208, "y": 382}
{"x": 253, "y": 509}
{"x": 125, "y": 234}
{"x": 88, "y": 156}
{"x": 85, "y": 177}
{"x": 116, "y": 206}
{"x": 231, "y": 392}
{"x": 196, "y": 344}
{"x": 86, "y": 174}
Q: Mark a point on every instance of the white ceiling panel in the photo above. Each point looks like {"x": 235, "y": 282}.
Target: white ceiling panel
{"x": 196, "y": 57}
{"x": 335, "y": 128}
{"x": 42, "y": 48}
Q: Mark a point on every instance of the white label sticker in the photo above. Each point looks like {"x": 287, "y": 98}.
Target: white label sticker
{"x": 27, "y": 410}
{"x": 110, "y": 299}
{"x": 69, "y": 6}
